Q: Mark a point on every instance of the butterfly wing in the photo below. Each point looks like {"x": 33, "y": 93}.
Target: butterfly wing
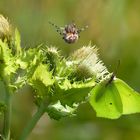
{"x": 130, "y": 98}
{"x": 114, "y": 100}
{"x": 106, "y": 101}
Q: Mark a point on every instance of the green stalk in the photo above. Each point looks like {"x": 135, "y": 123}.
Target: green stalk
{"x": 7, "y": 116}
{"x": 27, "y": 130}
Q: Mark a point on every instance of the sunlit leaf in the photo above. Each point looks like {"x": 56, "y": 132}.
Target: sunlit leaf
{"x": 17, "y": 41}
{"x": 7, "y": 61}
{"x": 57, "y": 111}
{"x": 41, "y": 80}
{"x": 69, "y": 94}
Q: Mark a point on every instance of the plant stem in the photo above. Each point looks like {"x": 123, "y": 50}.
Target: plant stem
{"x": 27, "y": 130}
{"x": 7, "y": 116}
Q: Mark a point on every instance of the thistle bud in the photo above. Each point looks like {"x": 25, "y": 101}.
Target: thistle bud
{"x": 5, "y": 29}
{"x": 51, "y": 57}
{"x": 88, "y": 65}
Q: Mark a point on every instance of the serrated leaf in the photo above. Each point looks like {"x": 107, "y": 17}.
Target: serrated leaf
{"x": 7, "y": 65}
{"x": 29, "y": 57}
{"x": 41, "y": 81}
{"x": 17, "y": 41}
{"x": 69, "y": 94}
{"x": 114, "y": 99}
{"x": 41, "y": 73}
{"x": 27, "y": 63}
{"x": 58, "y": 111}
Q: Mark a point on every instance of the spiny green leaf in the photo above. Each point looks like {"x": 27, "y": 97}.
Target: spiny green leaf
{"x": 7, "y": 64}
{"x": 5, "y": 52}
{"x": 70, "y": 94}
{"x": 30, "y": 57}
{"x": 51, "y": 57}
{"x": 57, "y": 111}
{"x": 17, "y": 41}
{"x": 41, "y": 81}
{"x": 42, "y": 74}
{"x": 27, "y": 63}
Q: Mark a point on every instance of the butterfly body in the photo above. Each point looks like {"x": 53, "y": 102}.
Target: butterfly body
{"x": 70, "y": 32}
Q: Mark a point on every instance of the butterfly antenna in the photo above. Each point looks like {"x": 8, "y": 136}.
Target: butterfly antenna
{"x": 114, "y": 73}
{"x": 117, "y": 67}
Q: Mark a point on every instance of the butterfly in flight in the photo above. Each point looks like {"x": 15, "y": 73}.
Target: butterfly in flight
{"x": 69, "y": 32}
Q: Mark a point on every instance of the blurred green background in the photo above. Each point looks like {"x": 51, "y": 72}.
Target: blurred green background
{"x": 114, "y": 27}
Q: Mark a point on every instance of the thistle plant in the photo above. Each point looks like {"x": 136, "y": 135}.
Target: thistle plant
{"x": 5, "y": 28}
{"x": 60, "y": 84}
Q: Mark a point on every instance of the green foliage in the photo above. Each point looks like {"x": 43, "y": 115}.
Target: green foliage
{"x": 65, "y": 83}
{"x": 17, "y": 40}
{"x": 111, "y": 100}
{"x": 119, "y": 40}
{"x": 7, "y": 65}
{"x": 2, "y": 108}
{"x": 55, "y": 79}
{"x": 71, "y": 94}
{"x": 57, "y": 111}
{"x": 61, "y": 84}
